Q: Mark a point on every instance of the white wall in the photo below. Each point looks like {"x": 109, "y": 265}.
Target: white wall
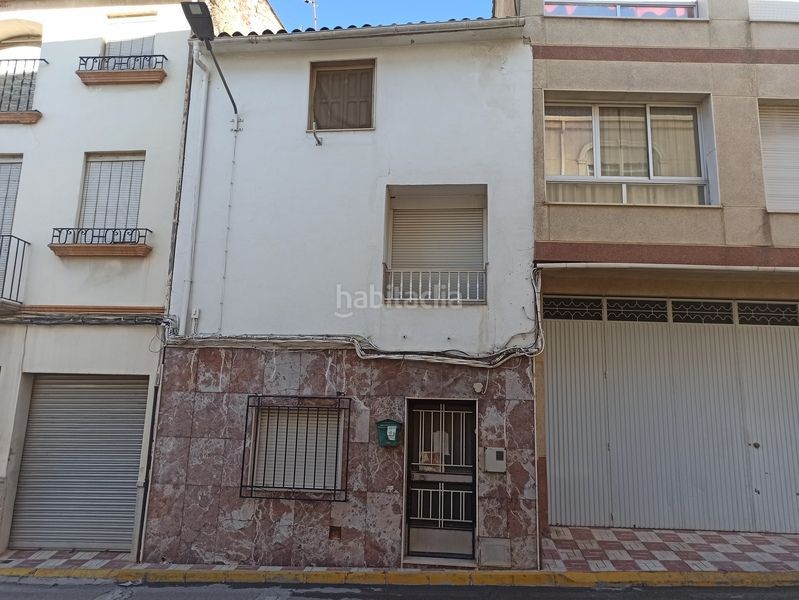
{"x": 77, "y": 119}
{"x": 308, "y": 218}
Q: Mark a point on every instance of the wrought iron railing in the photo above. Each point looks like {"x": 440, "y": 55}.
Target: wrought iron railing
{"x": 17, "y": 83}
{"x": 121, "y": 63}
{"x": 405, "y": 285}
{"x": 644, "y": 9}
{"x": 63, "y": 236}
{"x": 12, "y": 260}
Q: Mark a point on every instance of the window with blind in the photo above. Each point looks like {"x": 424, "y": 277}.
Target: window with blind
{"x": 299, "y": 446}
{"x": 437, "y": 246}
{"x": 342, "y": 95}
{"x": 779, "y": 130}
{"x": 9, "y": 184}
{"x": 111, "y": 192}
{"x": 141, "y": 46}
{"x": 624, "y": 154}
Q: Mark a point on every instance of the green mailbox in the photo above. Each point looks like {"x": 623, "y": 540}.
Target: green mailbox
{"x": 388, "y": 433}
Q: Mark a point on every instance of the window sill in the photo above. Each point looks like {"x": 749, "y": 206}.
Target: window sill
{"x": 101, "y": 250}
{"x": 26, "y": 117}
{"x": 122, "y": 77}
{"x": 318, "y": 131}
{"x": 620, "y": 205}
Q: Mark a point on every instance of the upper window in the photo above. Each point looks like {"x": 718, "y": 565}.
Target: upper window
{"x": 342, "y": 95}
{"x": 437, "y": 244}
{"x": 111, "y": 191}
{"x": 636, "y": 9}
{"x": 624, "y": 154}
{"x": 779, "y": 128}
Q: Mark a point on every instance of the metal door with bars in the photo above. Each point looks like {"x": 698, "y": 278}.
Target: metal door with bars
{"x": 441, "y": 481}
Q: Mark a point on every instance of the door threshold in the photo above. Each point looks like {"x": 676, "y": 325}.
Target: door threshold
{"x": 432, "y": 561}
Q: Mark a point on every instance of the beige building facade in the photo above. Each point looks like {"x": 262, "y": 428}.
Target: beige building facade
{"x": 667, "y": 232}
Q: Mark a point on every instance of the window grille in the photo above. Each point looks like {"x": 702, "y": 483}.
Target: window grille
{"x": 653, "y": 310}
{"x": 342, "y": 95}
{"x": 112, "y": 192}
{"x": 573, "y": 309}
{"x": 762, "y": 313}
{"x": 640, "y": 311}
{"x": 700, "y": 311}
{"x": 297, "y": 447}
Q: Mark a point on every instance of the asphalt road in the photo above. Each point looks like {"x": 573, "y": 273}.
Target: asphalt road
{"x": 33, "y": 589}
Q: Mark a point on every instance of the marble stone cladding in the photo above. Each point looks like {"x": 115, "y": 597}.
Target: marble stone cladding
{"x": 195, "y": 512}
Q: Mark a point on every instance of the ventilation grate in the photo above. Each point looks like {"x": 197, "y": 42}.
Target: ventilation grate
{"x": 573, "y": 309}
{"x": 760, "y": 313}
{"x": 700, "y": 311}
{"x": 638, "y": 311}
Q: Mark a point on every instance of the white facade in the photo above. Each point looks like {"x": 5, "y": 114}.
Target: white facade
{"x": 76, "y": 120}
{"x": 268, "y": 252}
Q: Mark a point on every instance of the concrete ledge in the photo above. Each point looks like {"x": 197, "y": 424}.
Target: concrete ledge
{"x": 122, "y": 77}
{"x": 417, "y": 578}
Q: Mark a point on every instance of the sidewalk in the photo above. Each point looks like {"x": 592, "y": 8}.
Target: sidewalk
{"x": 571, "y": 556}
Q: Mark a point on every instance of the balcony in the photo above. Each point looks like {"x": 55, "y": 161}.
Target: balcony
{"x": 17, "y": 86}
{"x": 121, "y": 70}
{"x": 100, "y": 242}
{"x": 631, "y": 9}
{"x": 435, "y": 287}
{"x": 12, "y": 261}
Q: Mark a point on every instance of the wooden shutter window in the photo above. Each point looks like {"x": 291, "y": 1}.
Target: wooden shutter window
{"x": 779, "y": 127}
{"x": 437, "y": 239}
{"x": 112, "y": 192}
{"x": 342, "y": 97}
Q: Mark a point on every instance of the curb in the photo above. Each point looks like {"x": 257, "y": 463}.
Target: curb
{"x": 417, "y": 578}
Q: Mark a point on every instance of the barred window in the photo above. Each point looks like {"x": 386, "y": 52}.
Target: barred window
{"x": 112, "y": 191}
{"x": 342, "y": 95}
{"x": 298, "y": 447}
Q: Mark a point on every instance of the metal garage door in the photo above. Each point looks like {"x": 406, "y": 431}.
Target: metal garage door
{"x": 673, "y": 414}
{"x": 80, "y": 463}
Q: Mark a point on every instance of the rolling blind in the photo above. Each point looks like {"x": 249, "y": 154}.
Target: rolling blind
{"x": 299, "y": 448}
{"x": 437, "y": 239}
{"x": 80, "y": 464}
{"x": 9, "y": 184}
{"x": 779, "y": 128}
{"x": 774, "y": 10}
{"x": 111, "y": 192}
{"x": 133, "y": 47}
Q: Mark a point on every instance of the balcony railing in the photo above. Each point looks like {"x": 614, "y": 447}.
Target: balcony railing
{"x": 63, "y": 236}
{"x": 12, "y": 260}
{"x": 17, "y": 83}
{"x": 637, "y": 9}
{"x": 121, "y": 63}
{"x": 453, "y": 287}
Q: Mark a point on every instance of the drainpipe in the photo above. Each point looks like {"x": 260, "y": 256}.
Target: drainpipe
{"x": 199, "y": 143}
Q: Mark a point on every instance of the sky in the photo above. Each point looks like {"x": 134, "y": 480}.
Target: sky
{"x": 296, "y": 14}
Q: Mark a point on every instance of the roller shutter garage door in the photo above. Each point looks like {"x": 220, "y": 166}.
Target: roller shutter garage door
{"x": 673, "y": 414}
{"x": 80, "y": 464}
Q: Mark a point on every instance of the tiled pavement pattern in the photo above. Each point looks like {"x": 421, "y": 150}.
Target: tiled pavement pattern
{"x": 565, "y": 549}
{"x": 589, "y": 549}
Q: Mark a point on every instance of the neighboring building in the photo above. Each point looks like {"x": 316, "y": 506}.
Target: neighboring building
{"x": 358, "y": 249}
{"x": 91, "y": 99}
{"x": 667, "y": 230}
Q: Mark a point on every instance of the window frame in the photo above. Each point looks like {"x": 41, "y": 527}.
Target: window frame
{"x": 597, "y": 178}
{"x": 696, "y": 5}
{"x": 115, "y": 156}
{"x": 340, "y": 65}
{"x": 250, "y": 451}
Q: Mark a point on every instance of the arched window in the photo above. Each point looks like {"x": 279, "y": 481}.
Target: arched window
{"x": 20, "y": 49}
